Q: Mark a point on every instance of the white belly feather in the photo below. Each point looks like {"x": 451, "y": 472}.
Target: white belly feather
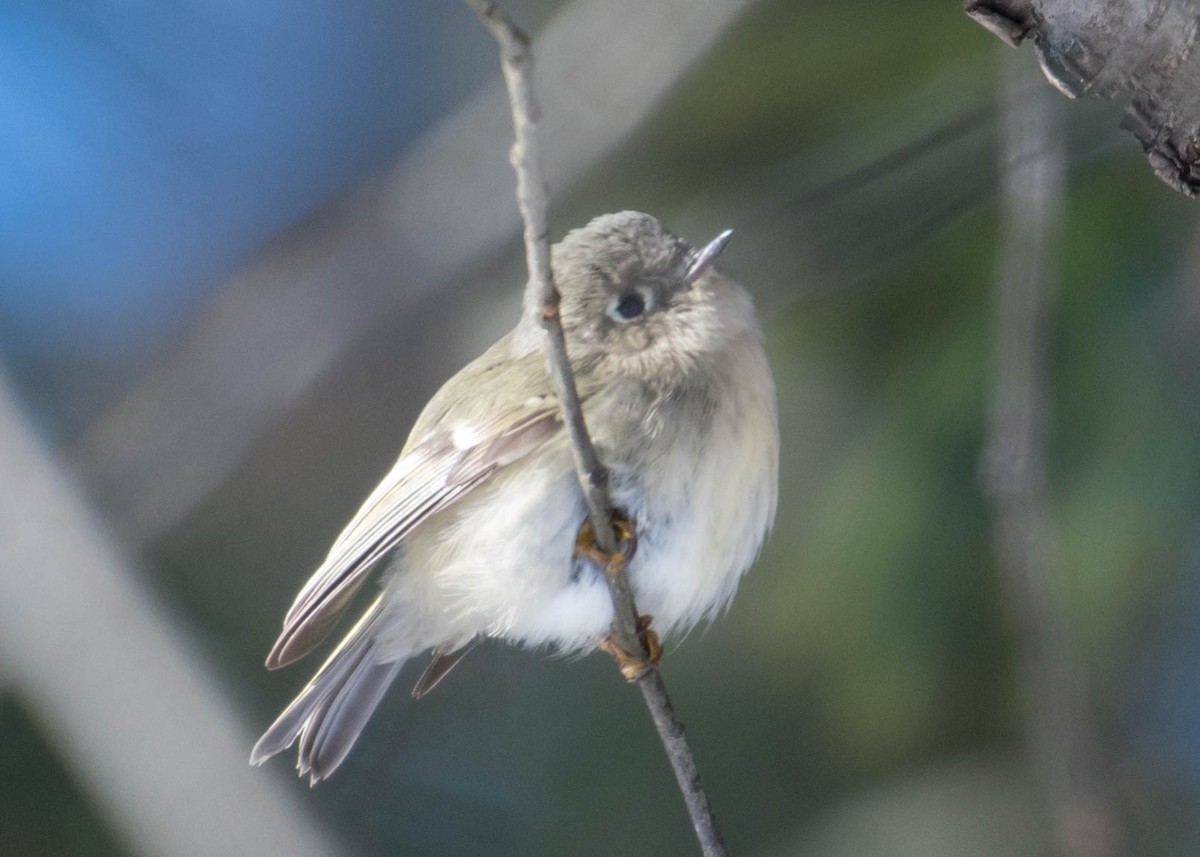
{"x": 501, "y": 562}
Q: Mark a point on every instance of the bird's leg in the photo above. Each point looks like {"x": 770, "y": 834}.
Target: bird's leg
{"x": 586, "y": 546}
{"x": 631, "y": 665}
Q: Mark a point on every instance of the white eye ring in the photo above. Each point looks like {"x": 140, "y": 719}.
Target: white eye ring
{"x": 630, "y": 304}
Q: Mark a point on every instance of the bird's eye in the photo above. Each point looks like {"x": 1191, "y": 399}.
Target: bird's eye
{"x": 629, "y": 305}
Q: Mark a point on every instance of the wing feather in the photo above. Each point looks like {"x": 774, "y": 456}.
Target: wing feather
{"x": 431, "y": 475}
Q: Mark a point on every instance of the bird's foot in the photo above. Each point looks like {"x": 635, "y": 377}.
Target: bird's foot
{"x": 586, "y": 546}
{"x": 630, "y": 665}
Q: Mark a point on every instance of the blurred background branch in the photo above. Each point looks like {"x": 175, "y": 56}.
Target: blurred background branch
{"x": 121, "y": 690}
{"x": 1058, "y": 713}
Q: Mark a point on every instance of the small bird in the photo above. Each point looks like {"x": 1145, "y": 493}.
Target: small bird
{"x": 481, "y": 517}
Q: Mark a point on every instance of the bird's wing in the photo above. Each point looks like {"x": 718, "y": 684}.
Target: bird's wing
{"x": 431, "y": 474}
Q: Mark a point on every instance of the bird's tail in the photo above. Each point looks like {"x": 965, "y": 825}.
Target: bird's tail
{"x": 333, "y": 708}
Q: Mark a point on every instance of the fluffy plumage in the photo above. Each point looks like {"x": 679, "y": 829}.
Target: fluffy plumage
{"x": 481, "y": 512}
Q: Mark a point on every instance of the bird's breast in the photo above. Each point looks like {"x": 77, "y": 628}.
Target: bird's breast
{"x": 694, "y": 469}
{"x": 700, "y": 482}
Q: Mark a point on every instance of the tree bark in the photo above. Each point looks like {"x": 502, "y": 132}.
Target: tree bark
{"x": 1136, "y": 51}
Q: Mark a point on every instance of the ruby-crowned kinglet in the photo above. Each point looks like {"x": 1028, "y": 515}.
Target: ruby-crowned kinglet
{"x": 483, "y": 509}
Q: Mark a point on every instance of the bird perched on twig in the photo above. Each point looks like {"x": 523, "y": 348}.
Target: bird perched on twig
{"x": 481, "y": 516}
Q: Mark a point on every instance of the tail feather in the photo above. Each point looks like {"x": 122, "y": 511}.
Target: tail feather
{"x": 330, "y": 713}
{"x": 343, "y": 717}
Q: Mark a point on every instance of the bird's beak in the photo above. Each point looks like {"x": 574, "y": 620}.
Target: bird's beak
{"x": 706, "y": 256}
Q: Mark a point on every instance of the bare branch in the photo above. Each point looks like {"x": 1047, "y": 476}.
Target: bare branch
{"x": 542, "y": 297}
{"x": 1057, "y": 715}
{"x": 683, "y": 763}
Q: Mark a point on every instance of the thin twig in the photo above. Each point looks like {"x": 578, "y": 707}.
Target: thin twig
{"x": 542, "y": 298}
{"x": 1061, "y": 733}
{"x": 683, "y": 763}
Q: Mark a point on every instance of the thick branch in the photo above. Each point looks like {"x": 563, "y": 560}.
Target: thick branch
{"x": 542, "y": 297}
{"x": 1135, "y": 51}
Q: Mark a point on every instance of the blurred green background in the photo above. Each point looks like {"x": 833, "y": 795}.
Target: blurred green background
{"x": 862, "y": 696}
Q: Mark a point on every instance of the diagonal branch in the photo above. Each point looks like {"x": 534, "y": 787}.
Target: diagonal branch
{"x": 119, "y": 689}
{"x": 542, "y": 297}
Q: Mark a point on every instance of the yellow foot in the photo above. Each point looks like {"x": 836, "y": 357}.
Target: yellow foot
{"x": 631, "y": 666}
{"x": 587, "y": 548}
